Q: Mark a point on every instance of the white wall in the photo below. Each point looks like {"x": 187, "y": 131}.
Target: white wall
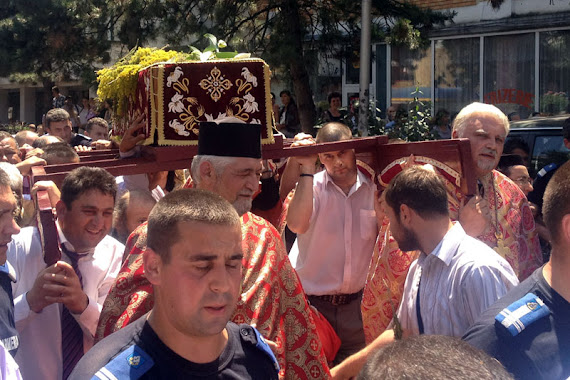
{"x": 484, "y": 12}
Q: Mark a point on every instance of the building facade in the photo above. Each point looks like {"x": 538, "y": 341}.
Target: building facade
{"x": 516, "y": 57}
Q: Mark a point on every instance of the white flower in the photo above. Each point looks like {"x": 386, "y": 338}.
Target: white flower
{"x": 255, "y": 121}
{"x": 176, "y": 104}
{"x": 249, "y": 77}
{"x": 250, "y": 104}
{"x": 174, "y": 76}
{"x": 175, "y": 124}
{"x": 209, "y": 117}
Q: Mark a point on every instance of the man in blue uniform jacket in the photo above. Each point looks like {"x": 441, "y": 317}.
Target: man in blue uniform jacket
{"x": 193, "y": 261}
{"x": 528, "y": 330}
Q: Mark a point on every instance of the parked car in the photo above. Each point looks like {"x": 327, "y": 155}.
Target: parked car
{"x": 544, "y": 138}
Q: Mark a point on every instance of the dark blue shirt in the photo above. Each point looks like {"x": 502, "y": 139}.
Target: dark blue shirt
{"x": 241, "y": 359}
{"x": 542, "y": 349}
{"x": 8, "y": 333}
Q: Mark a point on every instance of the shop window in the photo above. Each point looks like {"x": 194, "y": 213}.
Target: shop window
{"x": 456, "y": 78}
{"x": 508, "y": 72}
{"x": 410, "y": 69}
{"x": 554, "y": 71}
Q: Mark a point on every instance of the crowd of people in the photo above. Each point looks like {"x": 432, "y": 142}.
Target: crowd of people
{"x": 171, "y": 274}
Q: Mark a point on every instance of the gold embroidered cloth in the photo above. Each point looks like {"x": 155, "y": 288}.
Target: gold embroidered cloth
{"x": 177, "y": 96}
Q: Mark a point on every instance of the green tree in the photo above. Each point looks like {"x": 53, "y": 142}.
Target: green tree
{"x": 45, "y": 40}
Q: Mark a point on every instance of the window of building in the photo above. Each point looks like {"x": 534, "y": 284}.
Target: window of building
{"x": 508, "y": 73}
{"x": 554, "y": 72}
{"x": 410, "y": 69}
{"x": 456, "y": 77}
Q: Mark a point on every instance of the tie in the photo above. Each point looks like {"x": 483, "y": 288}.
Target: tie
{"x": 418, "y": 311}
{"x": 71, "y": 333}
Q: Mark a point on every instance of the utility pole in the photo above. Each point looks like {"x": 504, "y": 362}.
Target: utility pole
{"x": 364, "y": 68}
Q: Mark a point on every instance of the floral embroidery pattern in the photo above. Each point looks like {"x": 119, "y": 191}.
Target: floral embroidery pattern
{"x": 216, "y": 84}
{"x": 176, "y": 104}
{"x": 190, "y": 112}
{"x": 175, "y": 124}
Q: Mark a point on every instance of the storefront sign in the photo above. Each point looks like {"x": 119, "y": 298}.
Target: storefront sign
{"x": 509, "y": 95}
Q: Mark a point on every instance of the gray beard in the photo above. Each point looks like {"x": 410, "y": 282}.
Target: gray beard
{"x": 242, "y": 206}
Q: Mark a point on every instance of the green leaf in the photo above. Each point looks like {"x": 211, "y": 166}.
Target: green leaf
{"x": 212, "y": 38}
{"x": 210, "y": 48}
{"x": 194, "y": 50}
{"x": 226, "y": 54}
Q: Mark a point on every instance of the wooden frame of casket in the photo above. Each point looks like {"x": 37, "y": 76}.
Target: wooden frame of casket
{"x": 452, "y": 159}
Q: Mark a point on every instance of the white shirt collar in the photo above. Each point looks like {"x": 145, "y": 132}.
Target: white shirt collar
{"x": 361, "y": 179}
{"x": 63, "y": 241}
{"x": 448, "y": 246}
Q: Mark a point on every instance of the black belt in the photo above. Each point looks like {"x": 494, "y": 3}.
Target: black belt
{"x": 339, "y": 299}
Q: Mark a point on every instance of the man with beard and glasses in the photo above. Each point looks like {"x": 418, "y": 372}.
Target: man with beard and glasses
{"x": 455, "y": 278}
{"x": 194, "y": 262}
{"x": 500, "y": 216}
{"x": 272, "y": 298}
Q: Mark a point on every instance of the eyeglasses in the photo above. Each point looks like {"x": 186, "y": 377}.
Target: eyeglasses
{"x": 523, "y": 180}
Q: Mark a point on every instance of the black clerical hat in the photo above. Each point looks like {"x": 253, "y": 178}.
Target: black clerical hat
{"x": 229, "y": 139}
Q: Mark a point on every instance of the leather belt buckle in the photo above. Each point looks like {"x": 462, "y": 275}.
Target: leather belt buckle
{"x": 339, "y": 299}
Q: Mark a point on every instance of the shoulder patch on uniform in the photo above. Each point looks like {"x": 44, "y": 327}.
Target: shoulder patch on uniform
{"x": 521, "y": 314}
{"x": 263, "y": 346}
{"x": 131, "y": 364}
{"x": 548, "y": 168}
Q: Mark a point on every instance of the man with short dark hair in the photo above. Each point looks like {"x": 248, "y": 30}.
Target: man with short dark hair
{"x": 528, "y": 330}
{"x": 97, "y": 128}
{"x": 456, "y": 276}
{"x": 332, "y": 213}
{"x": 58, "y": 123}
{"x": 58, "y": 100}
{"x": 272, "y": 299}
{"x": 194, "y": 262}
{"x": 57, "y": 307}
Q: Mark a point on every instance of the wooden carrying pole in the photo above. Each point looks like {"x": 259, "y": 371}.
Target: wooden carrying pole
{"x": 373, "y": 151}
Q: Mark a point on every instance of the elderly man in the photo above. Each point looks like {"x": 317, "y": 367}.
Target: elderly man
{"x": 455, "y": 278}
{"x": 499, "y": 216}
{"x": 57, "y": 307}
{"x": 272, "y": 299}
{"x": 194, "y": 263}
{"x": 528, "y": 330}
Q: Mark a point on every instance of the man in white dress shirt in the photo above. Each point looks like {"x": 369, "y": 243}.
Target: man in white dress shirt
{"x": 333, "y": 214}
{"x": 456, "y": 276}
{"x": 57, "y": 307}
